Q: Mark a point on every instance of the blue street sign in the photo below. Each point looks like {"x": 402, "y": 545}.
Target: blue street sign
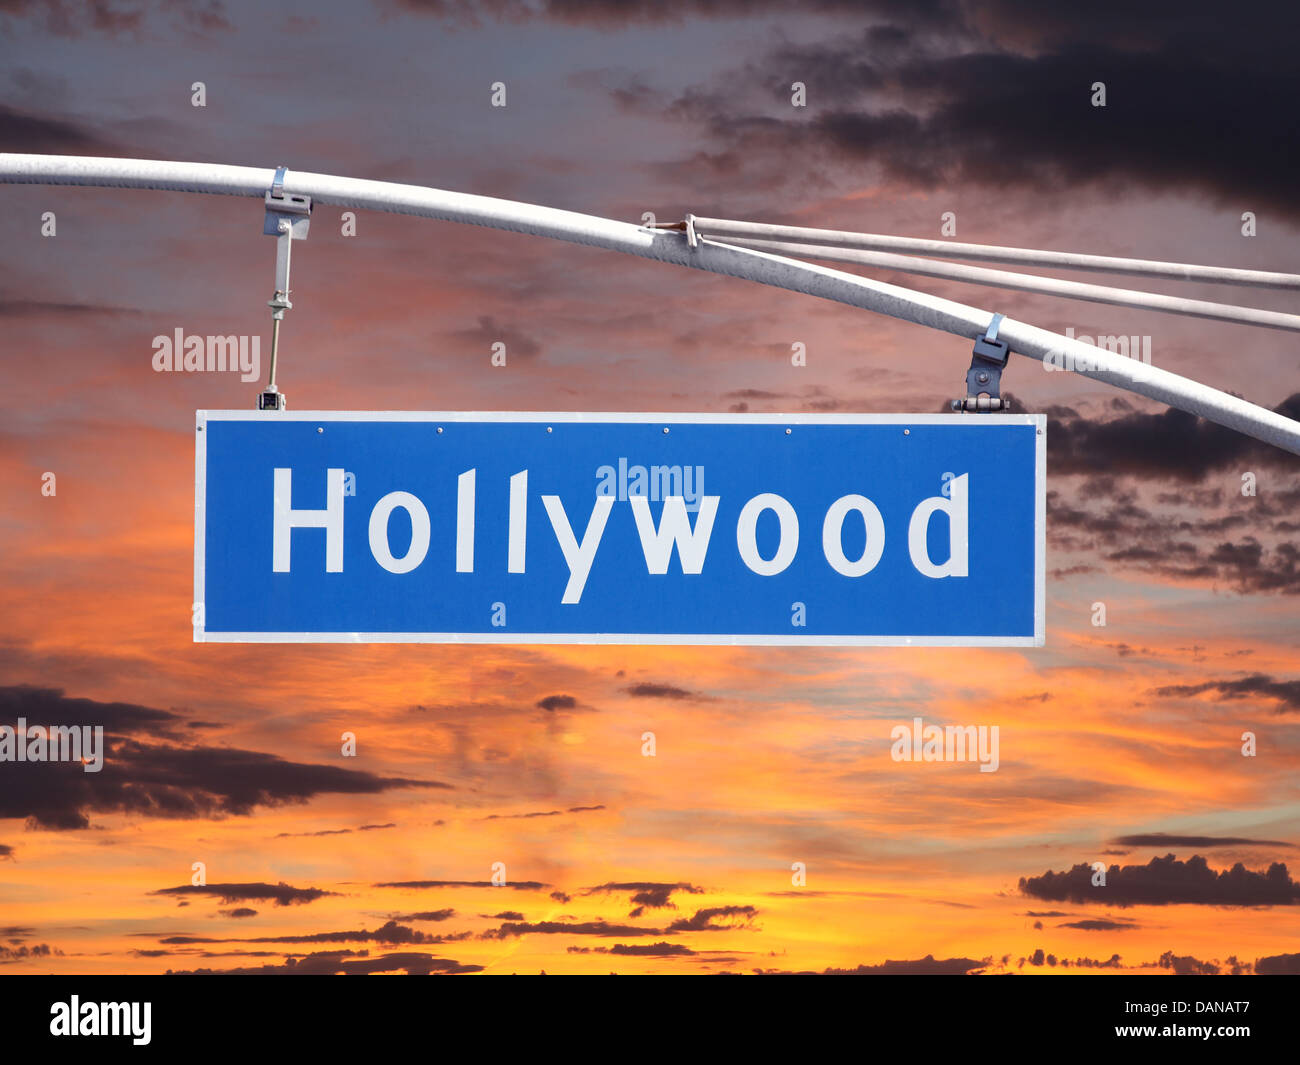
{"x": 856, "y": 529}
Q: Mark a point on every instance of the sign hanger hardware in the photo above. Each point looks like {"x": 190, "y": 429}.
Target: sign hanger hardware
{"x": 984, "y": 378}
{"x": 287, "y": 218}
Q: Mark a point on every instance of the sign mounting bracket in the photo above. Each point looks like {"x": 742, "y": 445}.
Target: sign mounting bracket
{"x": 984, "y": 378}
{"x": 287, "y": 218}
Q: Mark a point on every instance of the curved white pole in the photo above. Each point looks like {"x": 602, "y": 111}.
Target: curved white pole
{"x": 669, "y": 247}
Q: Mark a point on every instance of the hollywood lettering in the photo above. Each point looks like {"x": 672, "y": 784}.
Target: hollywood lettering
{"x": 673, "y": 532}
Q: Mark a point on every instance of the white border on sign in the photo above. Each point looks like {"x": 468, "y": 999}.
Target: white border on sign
{"x": 198, "y": 608}
{"x": 1039, "y": 421}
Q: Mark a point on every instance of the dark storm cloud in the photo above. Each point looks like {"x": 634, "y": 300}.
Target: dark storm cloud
{"x": 1039, "y": 958}
{"x": 68, "y": 18}
{"x": 1178, "y": 549}
{"x": 662, "y": 949}
{"x": 281, "y": 894}
{"x": 523, "y": 817}
{"x": 1041, "y": 22}
{"x": 425, "y": 915}
{"x": 1168, "y": 881}
{"x": 390, "y": 932}
{"x": 330, "y": 963}
{"x": 541, "y": 813}
{"x": 322, "y": 832}
{"x": 1099, "y": 924}
{"x": 1187, "y": 965}
{"x": 50, "y": 705}
{"x": 1031, "y": 123}
{"x": 646, "y": 894}
{"x": 177, "y": 782}
{"x": 656, "y": 898}
{"x": 22, "y": 131}
{"x": 661, "y": 691}
{"x": 1256, "y": 686}
{"x": 1161, "y": 839}
{"x": 238, "y": 912}
{"x": 156, "y": 780}
{"x": 1278, "y": 965}
{"x": 335, "y": 831}
{"x": 927, "y": 966}
{"x": 6, "y": 851}
{"x": 996, "y": 94}
{"x": 716, "y": 919}
{"x": 1173, "y": 446}
{"x": 36, "y": 950}
{"x": 574, "y": 928}
{"x": 557, "y": 702}
{"x": 642, "y": 885}
{"x": 1169, "y": 444}
{"x": 1113, "y": 962}
{"x": 614, "y": 13}
{"x": 517, "y": 885}
{"x": 237, "y": 953}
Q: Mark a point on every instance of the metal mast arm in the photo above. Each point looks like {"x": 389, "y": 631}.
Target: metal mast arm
{"x": 664, "y": 246}
{"x": 730, "y": 229}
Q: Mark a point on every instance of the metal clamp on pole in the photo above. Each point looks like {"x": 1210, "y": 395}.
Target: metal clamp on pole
{"x": 687, "y": 226}
{"x": 984, "y": 378}
{"x": 287, "y": 217}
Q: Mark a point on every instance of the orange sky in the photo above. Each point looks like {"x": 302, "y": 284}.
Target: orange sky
{"x": 465, "y": 756}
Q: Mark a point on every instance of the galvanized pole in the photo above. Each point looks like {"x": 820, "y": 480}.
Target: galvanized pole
{"x": 670, "y": 247}
{"x": 730, "y": 229}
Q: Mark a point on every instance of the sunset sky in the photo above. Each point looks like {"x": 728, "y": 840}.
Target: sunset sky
{"x": 1120, "y": 743}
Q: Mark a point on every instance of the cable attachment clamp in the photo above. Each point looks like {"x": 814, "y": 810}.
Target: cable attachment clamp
{"x": 288, "y": 218}
{"x": 692, "y": 238}
{"x": 686, "y": 226}
{"x": 984, "y": 378}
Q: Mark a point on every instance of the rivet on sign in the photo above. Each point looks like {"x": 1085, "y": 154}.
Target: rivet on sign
{"x": 787, "y": 432}
{"x": 440, "y": 428}
{"x": 320, "y": 429}
{"x": 665, "y": 428}
{"x": 907, "y": 432}
{"x": 548, "y": 428}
